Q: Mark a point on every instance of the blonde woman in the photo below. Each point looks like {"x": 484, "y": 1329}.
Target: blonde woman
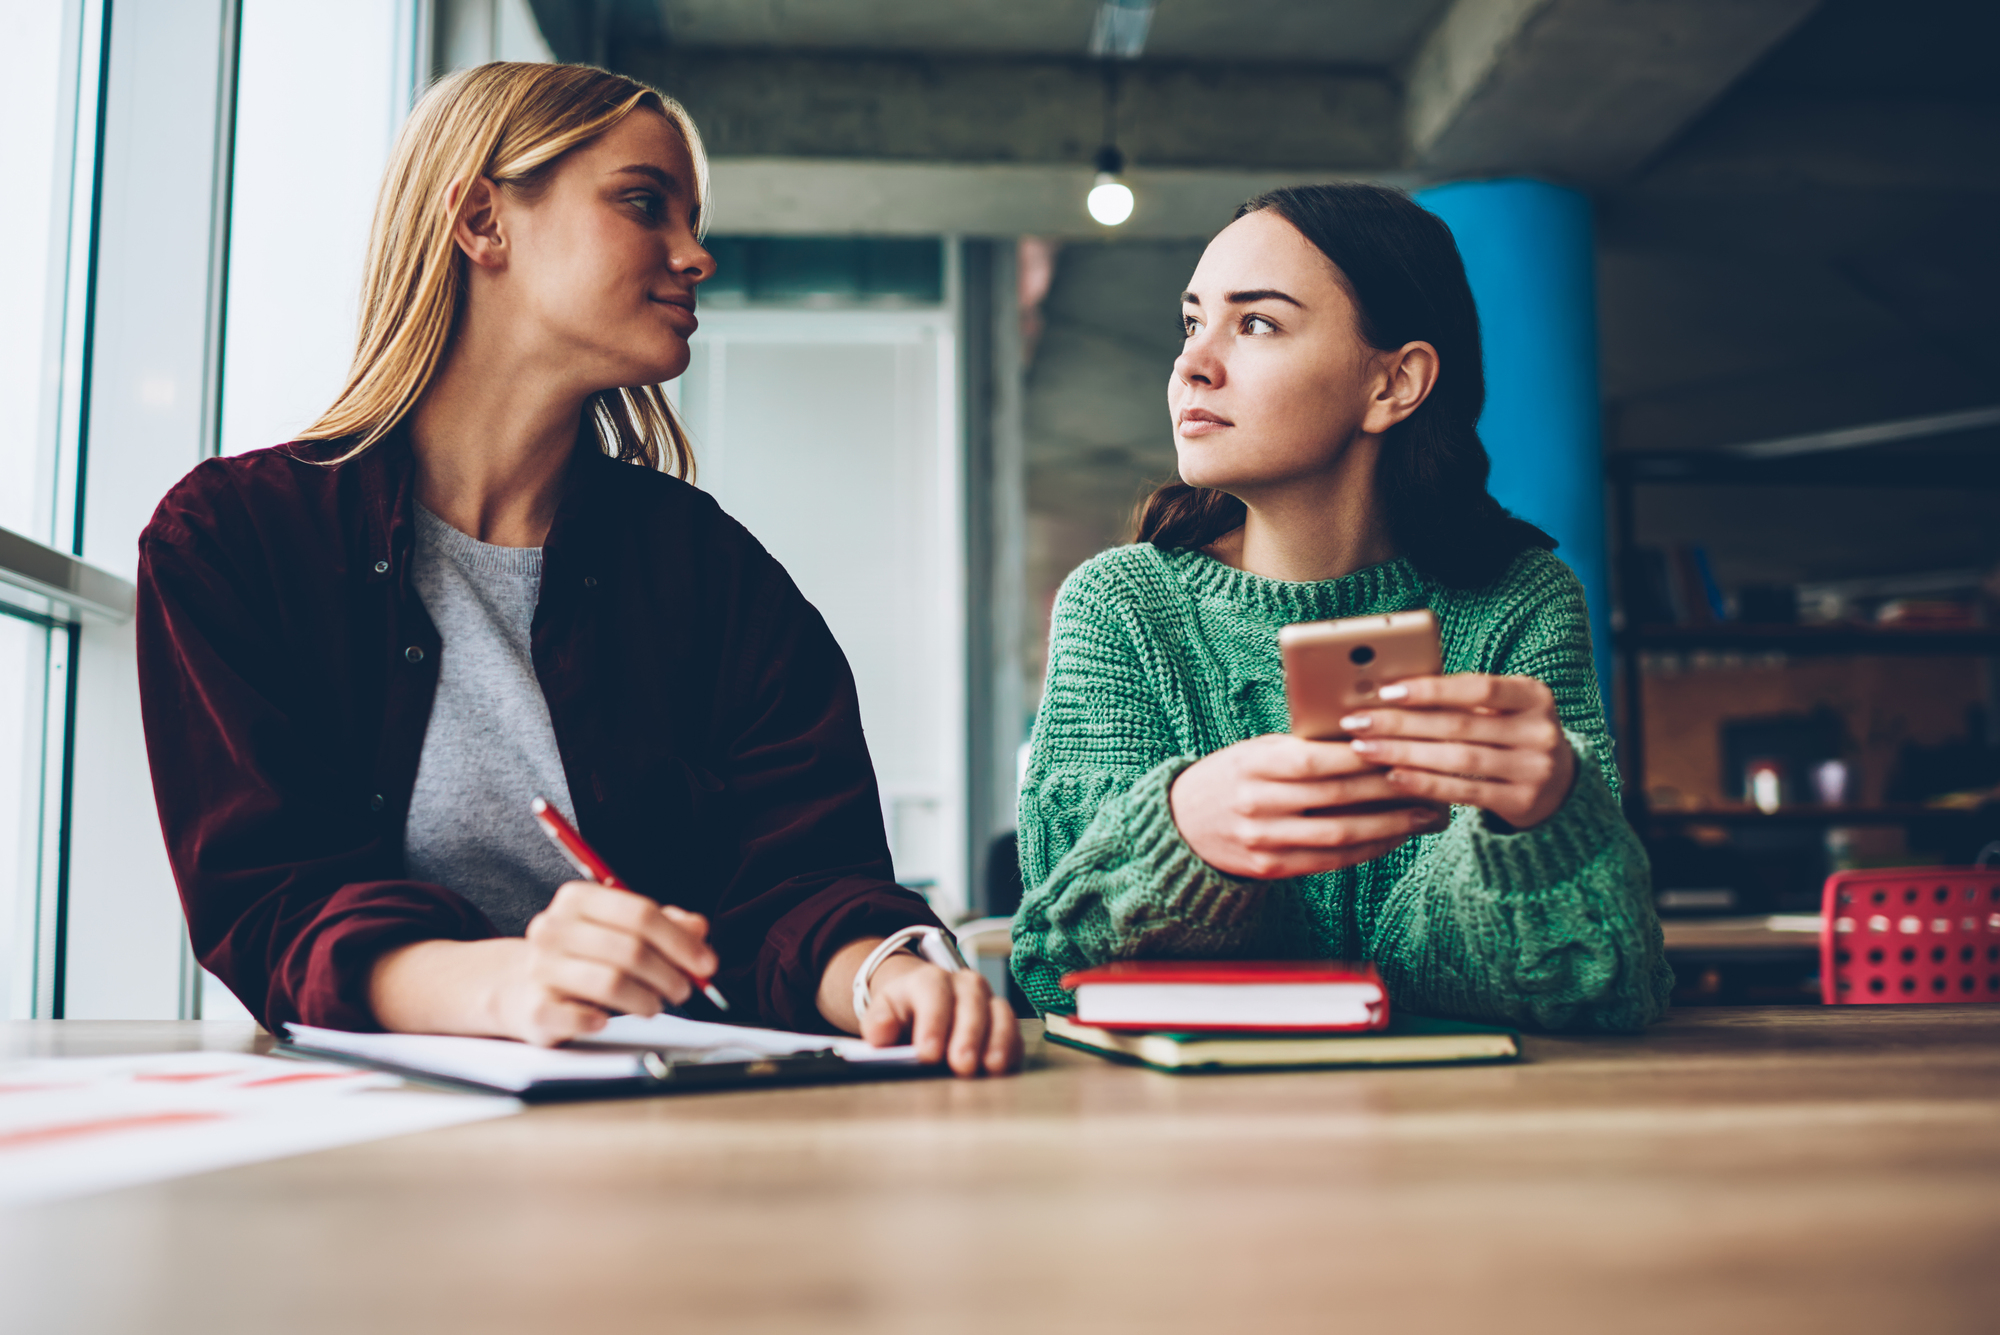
{"x": 480, "y": 577}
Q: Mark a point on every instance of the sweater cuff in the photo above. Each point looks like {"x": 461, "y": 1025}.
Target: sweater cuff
{"x": 1182, "y": 889}
{"x": 1561, "y": 847}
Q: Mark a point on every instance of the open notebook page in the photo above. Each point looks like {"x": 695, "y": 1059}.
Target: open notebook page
{"x": 610, "y": 1054}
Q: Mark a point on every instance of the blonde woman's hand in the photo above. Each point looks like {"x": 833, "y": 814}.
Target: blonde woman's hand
{"x": 950, "y": 1017}
{"x": 1278, "y": 805}
{"x": 1473, "y": 740}
{"x": 594, "y": 951}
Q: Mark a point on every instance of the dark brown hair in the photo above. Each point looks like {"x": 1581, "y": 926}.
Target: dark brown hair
{"x": 1408, "y": 283}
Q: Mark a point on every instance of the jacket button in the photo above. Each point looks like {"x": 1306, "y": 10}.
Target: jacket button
{"x": 375, "y": 802}
{"x": 381, "y": 567}
{"x": 414, "y": 654}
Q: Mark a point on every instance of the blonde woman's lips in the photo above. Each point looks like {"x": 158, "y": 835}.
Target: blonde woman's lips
{"x": 683, "y": 305}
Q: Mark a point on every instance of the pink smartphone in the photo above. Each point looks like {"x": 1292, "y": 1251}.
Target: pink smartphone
{"x": 1333, "y": 668}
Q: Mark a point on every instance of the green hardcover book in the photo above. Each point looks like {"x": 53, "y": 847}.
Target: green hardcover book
{"x": 1408, "y": 1040}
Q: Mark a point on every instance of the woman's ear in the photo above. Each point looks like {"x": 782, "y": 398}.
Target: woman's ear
{"x": 1404, "y": 379}
{"x": 478, "y": 232}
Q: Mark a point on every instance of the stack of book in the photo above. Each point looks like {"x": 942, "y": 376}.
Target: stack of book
{"x": 1208, "y": 1015}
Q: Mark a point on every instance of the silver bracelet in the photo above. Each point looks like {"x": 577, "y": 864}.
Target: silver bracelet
{"x": 932, "y": 943}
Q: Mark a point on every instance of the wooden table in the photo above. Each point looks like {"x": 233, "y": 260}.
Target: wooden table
{"x": 1776, "y": 1170}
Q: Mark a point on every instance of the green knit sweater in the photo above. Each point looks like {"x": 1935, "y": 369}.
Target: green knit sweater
{"x": 1157, "y": 658}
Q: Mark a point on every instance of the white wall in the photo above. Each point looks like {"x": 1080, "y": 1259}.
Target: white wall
{"x": 833, "y": 437}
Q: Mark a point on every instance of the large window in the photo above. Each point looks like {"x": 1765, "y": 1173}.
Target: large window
{"x": 48, "y": 86}
{"x": 32, "y": 226}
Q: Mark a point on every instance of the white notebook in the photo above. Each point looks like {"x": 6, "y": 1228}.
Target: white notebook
{"x": 630, "y": 1055}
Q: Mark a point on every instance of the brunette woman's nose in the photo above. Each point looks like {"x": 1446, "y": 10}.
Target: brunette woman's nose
{"x": 1196, "y": 367}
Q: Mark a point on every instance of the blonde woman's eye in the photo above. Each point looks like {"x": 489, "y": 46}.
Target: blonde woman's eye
{"x": 1257, "y": 324}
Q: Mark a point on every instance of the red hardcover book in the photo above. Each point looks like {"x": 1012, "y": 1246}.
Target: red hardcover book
{"x": 1242, "y": 996}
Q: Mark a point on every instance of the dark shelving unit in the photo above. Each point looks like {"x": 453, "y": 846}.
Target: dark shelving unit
{"x": 1966, "y": 459}
{"x": 1962, "y": 459}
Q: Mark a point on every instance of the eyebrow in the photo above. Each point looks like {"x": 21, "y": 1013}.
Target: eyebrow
{"x": 1244, "y": 298}
{"x": 651, "y": 173}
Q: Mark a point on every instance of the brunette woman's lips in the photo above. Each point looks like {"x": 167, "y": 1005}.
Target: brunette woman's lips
{"x": 1201, "y": 422}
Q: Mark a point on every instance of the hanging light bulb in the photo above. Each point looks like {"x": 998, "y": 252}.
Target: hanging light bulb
{"x": 1110, "y": 199}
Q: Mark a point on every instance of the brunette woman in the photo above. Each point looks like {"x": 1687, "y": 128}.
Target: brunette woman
{"x": 1324, "y": 407}
{"x": 480, "y": 577}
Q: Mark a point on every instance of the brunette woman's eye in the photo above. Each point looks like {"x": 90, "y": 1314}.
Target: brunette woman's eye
{"x": 1251, "y": 325}
{"x": 1188, "y": 325}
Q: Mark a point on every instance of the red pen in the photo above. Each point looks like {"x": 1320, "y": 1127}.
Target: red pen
{"x": 584, "y": 858}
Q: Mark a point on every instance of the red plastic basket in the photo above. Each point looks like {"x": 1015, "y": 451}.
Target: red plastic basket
{"x": 1910, "y": 934}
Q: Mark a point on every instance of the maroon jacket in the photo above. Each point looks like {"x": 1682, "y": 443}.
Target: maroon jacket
{"x": 706, "y": 719}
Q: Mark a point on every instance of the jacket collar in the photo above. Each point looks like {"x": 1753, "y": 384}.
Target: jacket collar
{"x": 385, "y": 478}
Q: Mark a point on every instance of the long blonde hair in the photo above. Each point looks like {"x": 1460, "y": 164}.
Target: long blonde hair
{"x": 510, "y": 123}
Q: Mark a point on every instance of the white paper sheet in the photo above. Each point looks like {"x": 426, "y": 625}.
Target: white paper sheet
{"x": 610, "y": 1054}
{"x": 71, "y": 1126}
{"x": 731, "y": 1042}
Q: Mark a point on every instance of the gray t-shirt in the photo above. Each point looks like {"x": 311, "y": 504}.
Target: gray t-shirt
{"x": 490, "y": 747}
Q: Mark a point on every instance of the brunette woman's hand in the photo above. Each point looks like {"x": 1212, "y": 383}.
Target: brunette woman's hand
{"x": 1471, "y": 739}
{"x": 950, "y": 1017}
{"x": 1278, "y": 805}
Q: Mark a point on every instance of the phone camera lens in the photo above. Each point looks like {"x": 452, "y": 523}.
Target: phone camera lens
{"x": 1361, "y": 653}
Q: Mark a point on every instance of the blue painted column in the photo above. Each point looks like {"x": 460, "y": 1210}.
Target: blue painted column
{"x": 1529, "y": 255}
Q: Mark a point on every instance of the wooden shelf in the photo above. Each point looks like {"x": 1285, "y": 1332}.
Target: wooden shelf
{"x": 1814, "y": 639}
{"x": 1966, "y": 460}
{"x": 1739, "y": 937}
{"x": 1894, "y": 814}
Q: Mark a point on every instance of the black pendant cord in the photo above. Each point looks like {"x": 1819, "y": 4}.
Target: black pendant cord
{"x": 1109, "y": 159}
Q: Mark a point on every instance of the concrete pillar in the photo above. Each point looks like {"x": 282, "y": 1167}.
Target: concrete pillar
{"x": 1529, "y": 255}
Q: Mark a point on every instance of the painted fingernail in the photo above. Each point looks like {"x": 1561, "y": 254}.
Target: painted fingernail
{"x": 1356, "y": 722}
{"x": 1393, "y": 692}
{"x": 1363, "y": 745}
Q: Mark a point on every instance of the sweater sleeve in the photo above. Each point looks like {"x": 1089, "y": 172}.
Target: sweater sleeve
{"x": 1106, "y": 872}
{"x": 1552, "y": 926}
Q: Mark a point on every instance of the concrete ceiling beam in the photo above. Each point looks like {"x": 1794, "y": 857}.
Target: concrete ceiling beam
{"x": 826, "y": 197}
{"x": 890, "y": 107}
{"x": 1578, "y": 90}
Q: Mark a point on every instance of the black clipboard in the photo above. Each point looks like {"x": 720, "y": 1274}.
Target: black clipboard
{"x": 658, "y": 1075}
